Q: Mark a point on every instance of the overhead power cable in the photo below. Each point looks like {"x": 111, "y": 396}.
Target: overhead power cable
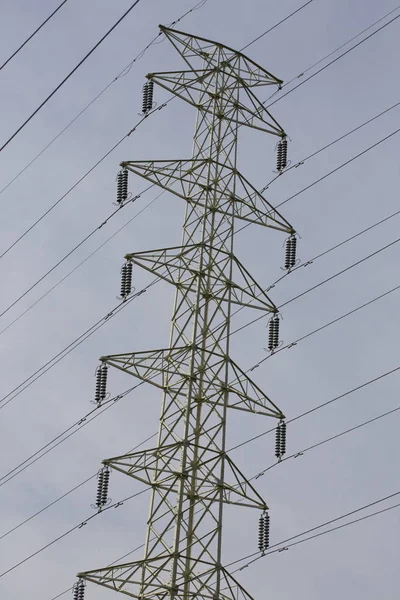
{"x": 284, "y": 202}
{"x": 65, "y": 435}
{"x": 319, "y": 406}
{"x": 278, "y": 547}
{"x": 281, "y": 546}
{"x": 341, "y": 46}
{"x": 53, "y": 287}
{"x": 27, "y": 382}
{"x": 121, "y": 502}
{"x": 333, "y": 61}
{"x": 257, "y": 476}
{"x": 68, "y": 349}
{"x": 76, "y": 487}
{"x": 105, "y": 36}
{"x": 52, "y": 444}
{"x": 302, "y": 161}
{"x": 32, "y": 35}
{"x": 121, "y": 74}
{"x": 276, "y": 25}
{"x": 396, "y": 213}
{"x": 347, "y": 162}
{"x": 79, "y": 526}
{"x": 75, "y": 185}
{"x": 326, "y": 440}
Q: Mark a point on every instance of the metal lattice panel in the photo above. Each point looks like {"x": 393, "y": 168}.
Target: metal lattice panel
{"x": 189, "y": 472}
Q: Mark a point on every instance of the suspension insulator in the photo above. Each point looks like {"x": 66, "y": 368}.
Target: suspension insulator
{"x": 99, "y": 495}
{"x": 150, "y": 92}
{"x": 279, "y": 156}
{"x": 278, "y": 440}
{"x": 75, "y": 591}
{"x": 266, "y": 531}
{"x": 104, "y": 491}
{"x": 103, "y": 381}
{"x": 284, "y": 153}
{"x": 129, "y": 269}
{"x": 123, "y": 280}
{"x": 145, "y": 97}
{"x": 81, "y": 590}
{"x": 283, "y": 439}
{"x": 275, "y": 335}
{"x": 97, "y": 395}
{"x": 124, "y": 184}
{"x": 288, "y": 253}
{"x": 271, "y": 336}
{"x": 119, "y": 186}
{"x": 261, "y": 533}
{"x": 292, "y": 251}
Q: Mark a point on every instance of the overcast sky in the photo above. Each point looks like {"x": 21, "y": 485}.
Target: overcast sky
{"x": 360, "y": 561}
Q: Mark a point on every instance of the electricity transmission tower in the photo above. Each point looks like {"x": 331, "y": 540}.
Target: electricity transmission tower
{"x": 189, "y": 471}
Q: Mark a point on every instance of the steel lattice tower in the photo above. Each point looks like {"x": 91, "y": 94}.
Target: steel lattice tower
{"x": 189, "y": 472}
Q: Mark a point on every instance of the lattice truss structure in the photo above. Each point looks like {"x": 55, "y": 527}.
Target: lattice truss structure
{"x": 189, "y": 472}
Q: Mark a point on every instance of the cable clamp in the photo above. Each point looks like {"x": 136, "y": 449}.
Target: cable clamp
{"x": 259, "y": 475}
{"x": 283, "y": 549}
{"x": 244, "y": 567}
{"x": 292, "y": 344}
{"x": 309, "y": 262}
{"x": 82, "y": 524}
{"x": 298, "y": 454}
{"x": 118, "y": 504}
{"x": 299, "y": 164}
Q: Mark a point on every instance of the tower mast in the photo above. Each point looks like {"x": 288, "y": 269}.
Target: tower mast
{"x": 190, "y": 474}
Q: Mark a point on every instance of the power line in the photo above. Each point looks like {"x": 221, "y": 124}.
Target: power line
{"x": 62, "y": 437}
{"x": 119, "y": 503}
{"x": 99, "y": 323}
{"x": 319, "y": 406}
{"x": 248, "y": 370}
{"x": 396, "y": 213}
{"x": 333, "y": 61}
{"x": 32, "y": 35}
{"x": 284, "y": 202}
{"x": 323, "y": 282}
{"x": 81, "y": 263}
{"x": 69, "y": 348}
{"x": 36, "y": 514}
{"x": 278, "y": 547}
{"x": 342, "y": 46}
{"x": 52, "y": 207}
{"x": 120, "y": 141}
{"x": 79, "y": 485}
{"x": 347, "y": 162}
{"x": 355, "y": 264}
{"x": 330, "y": 144}
{"x": 329, "y": 439}
{"x": 121, "y": 74}
{"x": 70, "y": 74}
{"x": 79, "y": 526}
{"x": 276, "y": 25}
{"x": 257, "y": 476}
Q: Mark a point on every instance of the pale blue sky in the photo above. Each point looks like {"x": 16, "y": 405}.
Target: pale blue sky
{"x": 360, "y": 561}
